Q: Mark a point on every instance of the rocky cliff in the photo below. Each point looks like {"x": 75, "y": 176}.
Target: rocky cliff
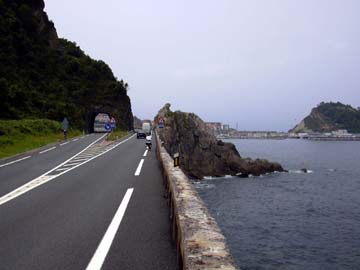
{"x": 327, "y": 117}
{"x": 137, "y": 123}
{"x": 201, "y": 154}
{"x": 43, "y": 76}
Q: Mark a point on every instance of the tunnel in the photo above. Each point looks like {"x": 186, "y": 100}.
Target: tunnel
{"x": 96, "y": 121}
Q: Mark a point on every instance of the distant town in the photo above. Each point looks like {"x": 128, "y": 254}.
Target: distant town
{"x": 224, "y": 131}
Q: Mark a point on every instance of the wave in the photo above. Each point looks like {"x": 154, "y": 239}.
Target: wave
{"x": 301, "y": 171}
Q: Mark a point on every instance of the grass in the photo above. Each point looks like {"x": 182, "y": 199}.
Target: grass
{"x": 18, "y": 136}
{"x": 117, "y": 134}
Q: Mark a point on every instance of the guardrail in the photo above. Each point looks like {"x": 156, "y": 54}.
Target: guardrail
{"x": 200, "y": 243}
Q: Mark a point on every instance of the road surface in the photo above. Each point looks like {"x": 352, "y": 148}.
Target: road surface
{"x": 86, "y": 204}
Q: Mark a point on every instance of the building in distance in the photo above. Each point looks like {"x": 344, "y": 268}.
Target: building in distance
{"x": 215, "y": 126}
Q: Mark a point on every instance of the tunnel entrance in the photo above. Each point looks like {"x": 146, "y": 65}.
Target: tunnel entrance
{"x": 100, "y": 121}
{"x": 97, "y": 121}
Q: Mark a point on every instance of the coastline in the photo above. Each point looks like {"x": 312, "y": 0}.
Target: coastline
{"x": 314, "y": 137}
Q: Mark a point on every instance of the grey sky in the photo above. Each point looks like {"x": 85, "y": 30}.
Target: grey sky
{"x": 261, "y": 63}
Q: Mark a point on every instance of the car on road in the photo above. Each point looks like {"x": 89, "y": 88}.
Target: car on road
{"x": 140, "y": 134}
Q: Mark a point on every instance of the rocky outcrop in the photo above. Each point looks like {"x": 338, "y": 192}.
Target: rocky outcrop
{"x": 137, "y": 123}
{"x": 201, "y": 154}
{"x": 43, "y": 76}
{"x": 328, "y": 117}
{"x": 44, "y": 26}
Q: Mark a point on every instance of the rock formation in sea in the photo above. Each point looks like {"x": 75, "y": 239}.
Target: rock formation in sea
{"x": 201, "y": 154}
{"x": 328, "y": 117}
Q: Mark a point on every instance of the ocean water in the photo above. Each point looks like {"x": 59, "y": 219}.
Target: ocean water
{"x": 291, "y": 220}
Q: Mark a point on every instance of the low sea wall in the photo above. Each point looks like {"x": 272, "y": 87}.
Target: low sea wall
{"x": 200, "y": 243}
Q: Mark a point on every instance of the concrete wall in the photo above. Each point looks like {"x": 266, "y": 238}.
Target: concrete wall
{"x": 200, "y": 243}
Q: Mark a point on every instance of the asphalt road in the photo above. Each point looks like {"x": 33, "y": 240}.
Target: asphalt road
{"x": 103, "y": 208}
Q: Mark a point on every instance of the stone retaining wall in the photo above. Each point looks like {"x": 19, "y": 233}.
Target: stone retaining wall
{"x": 200, "y": 243}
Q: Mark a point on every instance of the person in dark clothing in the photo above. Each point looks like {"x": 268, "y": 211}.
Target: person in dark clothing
{"x": 65, "y": 127}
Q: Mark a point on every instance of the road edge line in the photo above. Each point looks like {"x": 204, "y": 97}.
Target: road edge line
{"x": 47, "y": 150}
{"x": 18, "y": 191}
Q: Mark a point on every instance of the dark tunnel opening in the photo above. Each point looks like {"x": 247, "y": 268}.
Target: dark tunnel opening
{"x": 96, "y": 121}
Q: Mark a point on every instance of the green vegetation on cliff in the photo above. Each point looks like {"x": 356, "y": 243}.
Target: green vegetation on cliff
{"x": 17, "y": 136}
{"x": 327, "y": 117}
{"x": 42, "y": 76}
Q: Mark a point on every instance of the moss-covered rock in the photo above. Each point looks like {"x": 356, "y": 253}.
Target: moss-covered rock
{"x": 330, "y": 116}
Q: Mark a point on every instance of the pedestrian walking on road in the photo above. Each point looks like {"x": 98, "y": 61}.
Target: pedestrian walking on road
{"x": 65, "y": 127}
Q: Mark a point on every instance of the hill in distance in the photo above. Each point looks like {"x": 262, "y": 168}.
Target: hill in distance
{"x": 330, "y": 116}
{"x": 43, "y": 76}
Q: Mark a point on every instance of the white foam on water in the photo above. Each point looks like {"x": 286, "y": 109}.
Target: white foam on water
{"x": 300, "y": 171}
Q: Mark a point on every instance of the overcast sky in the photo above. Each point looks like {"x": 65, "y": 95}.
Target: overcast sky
{"x": 260, "y": 63}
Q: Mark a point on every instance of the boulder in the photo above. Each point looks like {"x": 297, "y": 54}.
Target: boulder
{"x": 201, "y": 154}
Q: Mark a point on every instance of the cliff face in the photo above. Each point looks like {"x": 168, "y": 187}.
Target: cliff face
{"x": 137, "y": 123}
{"x": 42, "y": 76}
{"x": 201, "y": 154}
{"x": 327, "y": 117}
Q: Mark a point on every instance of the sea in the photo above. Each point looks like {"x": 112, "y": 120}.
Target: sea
{"x": 291, "y": 220}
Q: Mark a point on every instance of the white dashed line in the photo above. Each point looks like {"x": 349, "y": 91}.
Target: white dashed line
{"x": 138, "y": 170}
{"x": 3, "y": 165}
{"x": 74, "y": 140}
{"x": 42, "y": 179}
{"x": 47, "y": 150}
{"x": 146, "y": 151}
{"x": 64, "y": 143}
{"x": 105, "y": 244}
{"x": 46, "y": 177}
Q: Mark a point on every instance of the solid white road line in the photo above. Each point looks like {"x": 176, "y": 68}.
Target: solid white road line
{"x": 61, "y": 144}
{"x": 146, "y": 151}
{"x": 47, "y": 150}
{"x": 44, "y": 178}
{"x": 74, "y": 140}
{"x": 3, "y": 165}
{"x": 138, "y": 170}
{"x": 105, "y": 244}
